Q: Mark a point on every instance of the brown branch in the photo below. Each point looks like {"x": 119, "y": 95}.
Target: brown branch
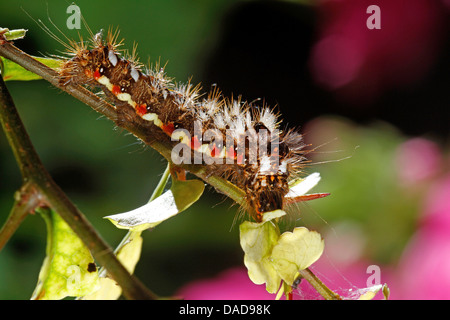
{"x": 26, "y": 200}
{"x": 317, "y": 284}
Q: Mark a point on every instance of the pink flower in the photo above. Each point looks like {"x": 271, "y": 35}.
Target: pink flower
{"x": 417, "y": 159}
{"x": 364, "y": 62}
{"x": 232, "y": 284}
{"x": 423, "y": 271}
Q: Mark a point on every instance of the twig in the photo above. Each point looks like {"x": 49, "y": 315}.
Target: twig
{"x": 26, "y": 200}
{"x": 321, "y": 288}
{"x": 16, "y": 55}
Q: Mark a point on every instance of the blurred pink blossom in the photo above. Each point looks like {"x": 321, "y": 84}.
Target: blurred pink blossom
{"x": 364, "y": 62}
{"x": 417, "y": 159}
{"x": 423, "y": 271}
{"x": 234, "y": 284}
{"x": 231, "y": 284}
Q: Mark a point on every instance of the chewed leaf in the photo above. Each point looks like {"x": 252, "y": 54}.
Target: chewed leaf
{"x": 257, "y": 241}
{"x": 10, "y": 35}
{"x": 128, "y": 255}
{"x": 302, "y": 186}
{"x": 295, "y": 251}
{"x": 181, "y": 196}
{"x": 68, "y": 268}
{"x": 12, "y": 71}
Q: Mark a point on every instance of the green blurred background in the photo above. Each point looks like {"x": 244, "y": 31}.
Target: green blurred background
{"x": 257, "y": 49}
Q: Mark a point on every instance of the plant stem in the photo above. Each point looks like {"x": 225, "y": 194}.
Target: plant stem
{"x": 323, "y": 290}
{"x": 16, "y": 55}
{"x": 34, "y": 174}
{"x": 27, "y": 199}
{"x": 161, "y": 184}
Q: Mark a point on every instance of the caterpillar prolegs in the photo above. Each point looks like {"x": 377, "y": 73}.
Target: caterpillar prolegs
{"x": 238, "y": 140}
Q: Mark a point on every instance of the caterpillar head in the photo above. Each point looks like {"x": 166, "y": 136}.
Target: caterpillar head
{"x": 267, "y": 189}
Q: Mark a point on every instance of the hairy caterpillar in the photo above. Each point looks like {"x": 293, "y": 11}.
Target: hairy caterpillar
{"x": 238, "y": 140}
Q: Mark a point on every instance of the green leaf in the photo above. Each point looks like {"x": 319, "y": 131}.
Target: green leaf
{"x": 68, "y": 268}
{"x": 181, "y": 196}
{"x": 186, "y": 192}
{"x": 128, "y": 255}
{"x": 295, "y": 251}
{"x": 257, "y": 240}
{"x": 12, "y": 71}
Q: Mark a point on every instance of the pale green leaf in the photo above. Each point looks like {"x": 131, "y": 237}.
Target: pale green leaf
{"x": 68, "y": 268}
{"x": 128, "y": 254}
{"x": 257, "y": 241}
{"x": 186, "y": 192}
{"x": 295, "y": 251}
{"x": 181, "y": 196}
{"x": 267, "y": 216}
{"x": 10, "y": 35}
{"x": 109, "y": 290}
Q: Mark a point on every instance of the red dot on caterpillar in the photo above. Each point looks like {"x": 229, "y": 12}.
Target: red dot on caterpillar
{"x": 231, "y": 154}
{"x": 97, "y": 74}
{"x": 240, "y": 158}
{"x": 195, "y": 143}
{"x": 168, "y": 128}
{"x": 215, "y": 150}
{"x": 116, "y": 89}
{"x": 141, "y": 109}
